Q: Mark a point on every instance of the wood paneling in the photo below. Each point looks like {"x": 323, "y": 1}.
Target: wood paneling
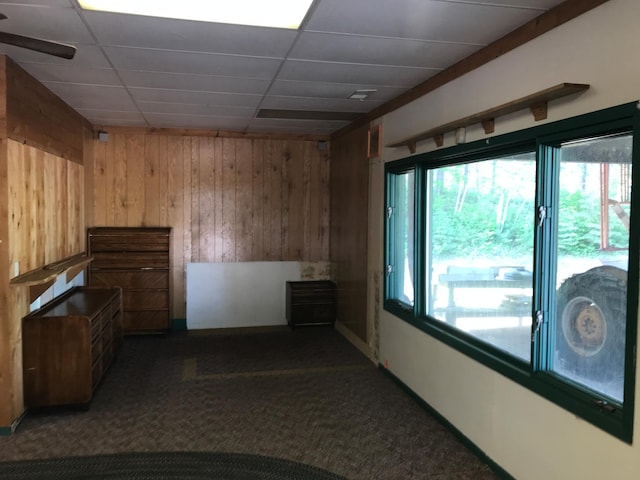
{"x": 349, "y": 227}
{"x": 228, "y": 199}
{"x": 45, "y": 207}
{"x": 37, "y": 117}
{"x": 42, "y": 206}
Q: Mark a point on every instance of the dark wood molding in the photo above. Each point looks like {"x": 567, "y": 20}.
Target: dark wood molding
{"x": 549, "y": 20}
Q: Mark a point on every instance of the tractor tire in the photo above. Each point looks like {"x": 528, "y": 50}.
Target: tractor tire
{"x": 591, "y": 323}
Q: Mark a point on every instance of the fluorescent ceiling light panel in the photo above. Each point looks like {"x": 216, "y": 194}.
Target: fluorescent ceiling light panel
{"x": 260, "y": 13}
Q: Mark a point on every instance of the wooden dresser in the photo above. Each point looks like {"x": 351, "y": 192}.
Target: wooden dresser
{"x": 68, "y": 344}
{"x": 138, "y": 261}
{"x": 311, "y": 303}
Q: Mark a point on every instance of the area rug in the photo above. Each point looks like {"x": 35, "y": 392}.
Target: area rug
{"x": 163, "y": 466}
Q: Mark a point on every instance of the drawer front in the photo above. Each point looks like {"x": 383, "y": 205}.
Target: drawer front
{"x": 137, "y": 279}
{"x": 129, "y": 243}
{"x": 129, "y": 260}
{"x": 150, "y": 321}
{"x": 145, "y": 300}
{"x": 319, "y": 313}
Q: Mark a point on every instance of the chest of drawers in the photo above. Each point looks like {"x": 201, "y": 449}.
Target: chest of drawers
{"x": 138, "y": 261}
{"x": 311, "y": 303}
{"x": 68, "y": 345}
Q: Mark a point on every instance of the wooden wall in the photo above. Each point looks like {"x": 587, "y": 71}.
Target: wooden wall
{"x": 46, "y": 208}
{"x": 349, "y": 227}
{"x": 227, "y": 199}
{"x": 41, "y": 206}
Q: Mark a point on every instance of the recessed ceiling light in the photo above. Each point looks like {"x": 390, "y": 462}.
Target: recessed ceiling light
{"x": 362, "y": 93}
{"x": 261, "y": 13}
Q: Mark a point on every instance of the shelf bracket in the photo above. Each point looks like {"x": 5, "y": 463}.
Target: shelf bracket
{"x": 489, "y": 125}
{"x": 539, "y": 110}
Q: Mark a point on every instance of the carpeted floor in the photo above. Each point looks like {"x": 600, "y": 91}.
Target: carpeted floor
{"x": 306, "y": 396}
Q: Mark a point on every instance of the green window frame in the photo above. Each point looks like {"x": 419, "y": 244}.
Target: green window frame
{"x": 554, "y": 170}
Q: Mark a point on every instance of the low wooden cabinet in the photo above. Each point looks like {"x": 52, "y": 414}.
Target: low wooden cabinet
{"x": 68, "y": 345}
{"x": 311, "y": 303}
{"x": 137, "y": 259}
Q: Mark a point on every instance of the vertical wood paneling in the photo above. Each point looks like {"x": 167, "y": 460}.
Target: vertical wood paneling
{"x": 276, "y": 212}
{"x": 194, "y": 151}
{"x": 258, "y": 199}
{"x": 135, "y": 180}
{"x": 46, "y": 218}
{"x": 151, "y": 210}
{"x": 99, "y": 193}
{"x": 218, "y": 194}
{"x": 163, "y": 179}
{"x": 188, "y": 232}
{"x": 285, "y": 155}
{"x": 175, "y": 218}
{"x": 349, "y": 223}
{"x": 295, "y": 189}
{"x": 228, "y": 224}
{"x": 227, "y": 199}
{"x": 206, "y": 217}
{"x": 244, "y": 200}
{"x": 118, "y": 193}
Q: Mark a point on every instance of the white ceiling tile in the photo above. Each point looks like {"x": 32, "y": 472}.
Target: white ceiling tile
{"x": 205, "y": 98}
{"x": 420, "y": 19}
{"x": 88, "y": 56}
{"x": 201, "y": 83}
{"x": 49, "y": 72}
{"x": 356, "y": 74}
{"x": 379, "y": 51}
{"x": 58, "y": 24}
{"x": 320, "y": 104}
{"x": 161, "y": 120}
{"x": 110, "y": 114}
{"x": 187, "y": 62}
{"x": 100, "y": 97}
{"x": 161, "y": 33}
{"x": 202, "y": 110}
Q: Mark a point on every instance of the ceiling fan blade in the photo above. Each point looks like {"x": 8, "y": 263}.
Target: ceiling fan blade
{"x": 43, "y": 46}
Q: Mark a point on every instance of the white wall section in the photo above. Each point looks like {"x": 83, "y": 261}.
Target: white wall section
{"x": 239, "y": 294}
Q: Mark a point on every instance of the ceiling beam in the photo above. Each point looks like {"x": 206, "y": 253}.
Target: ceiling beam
{"x": 549, "y": 20}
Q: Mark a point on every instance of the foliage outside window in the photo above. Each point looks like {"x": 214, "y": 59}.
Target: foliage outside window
{"x": 523, "y": 258}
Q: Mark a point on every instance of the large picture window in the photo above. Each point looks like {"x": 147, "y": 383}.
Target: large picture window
{"x": 520, "y": 253}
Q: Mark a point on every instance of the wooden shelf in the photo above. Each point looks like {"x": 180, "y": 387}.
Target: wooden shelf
{"x": 536, "y": 102}
{"x": 40, "y": 279}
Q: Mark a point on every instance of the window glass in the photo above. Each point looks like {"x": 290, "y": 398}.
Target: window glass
{"x": 480, "y": 238}
{"x": 592, "y": 258}
{"x": 401, "y": 216}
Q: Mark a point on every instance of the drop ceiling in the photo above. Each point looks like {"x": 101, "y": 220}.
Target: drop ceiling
{"x": 151, "y": 72}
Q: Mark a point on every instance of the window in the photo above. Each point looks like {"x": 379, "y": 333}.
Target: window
{"x": 592, "y": 259}
{"x": 518, "y": 252}
{"x": 479, "y": 248}
{"x": 400, "y": 212}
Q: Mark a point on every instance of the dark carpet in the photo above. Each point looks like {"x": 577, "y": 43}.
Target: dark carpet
{"x": 306, "y": 396}
{"x": 163, "y": 466}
